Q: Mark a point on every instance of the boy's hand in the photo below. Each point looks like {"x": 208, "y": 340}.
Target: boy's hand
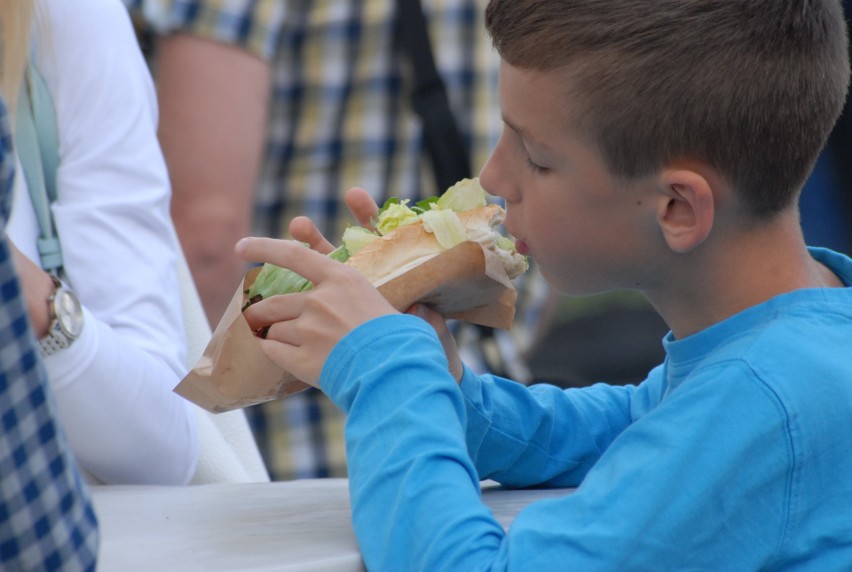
{"x": 362, "y": 205}
{"x": 448, "y": 342}
{"x": 359, "y": 202}
{"x": 304, "y": 327}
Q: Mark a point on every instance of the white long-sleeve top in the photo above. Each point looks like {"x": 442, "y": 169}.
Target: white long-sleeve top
{"x": 114, "y": 384}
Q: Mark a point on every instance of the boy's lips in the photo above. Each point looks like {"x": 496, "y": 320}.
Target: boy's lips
{"x": 521, "y": 246}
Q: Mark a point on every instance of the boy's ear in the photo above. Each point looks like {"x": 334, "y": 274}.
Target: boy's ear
{"x": 686, "y": 209}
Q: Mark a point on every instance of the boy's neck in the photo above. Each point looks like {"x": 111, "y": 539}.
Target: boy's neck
{"x": 737, "y": 271}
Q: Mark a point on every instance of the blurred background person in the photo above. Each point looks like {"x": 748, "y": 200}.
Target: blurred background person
{"x": 113, "y": 378}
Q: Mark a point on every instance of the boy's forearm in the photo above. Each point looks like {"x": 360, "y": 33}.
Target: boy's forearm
{"x": 410, "y": 476}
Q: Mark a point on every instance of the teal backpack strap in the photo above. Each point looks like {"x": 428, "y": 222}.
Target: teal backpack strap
{"x": 37, "y": 143}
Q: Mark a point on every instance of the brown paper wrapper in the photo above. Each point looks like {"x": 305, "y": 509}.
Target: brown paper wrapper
{"x": 466, "y": 283}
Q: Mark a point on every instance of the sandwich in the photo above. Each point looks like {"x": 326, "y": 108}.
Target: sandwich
{"x": 446, "y": 252}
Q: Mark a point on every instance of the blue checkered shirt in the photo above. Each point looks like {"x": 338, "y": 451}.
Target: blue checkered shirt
{"x": 340, "y": 117}
{"x": 46, "y": 516}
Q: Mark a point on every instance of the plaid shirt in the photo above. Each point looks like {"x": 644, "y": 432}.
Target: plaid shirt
{"x": 340, "y": 113}
{"x": 46, "y": 516}
{"x": 341, "y": 117}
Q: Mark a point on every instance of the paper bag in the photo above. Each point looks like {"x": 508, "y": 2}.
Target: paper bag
{"x": 465, "y": 282}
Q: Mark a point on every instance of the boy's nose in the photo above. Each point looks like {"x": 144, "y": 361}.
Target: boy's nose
{"x": 497, "y": 180}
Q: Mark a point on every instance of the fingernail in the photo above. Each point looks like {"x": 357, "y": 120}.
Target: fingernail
{"x": 242, "y": 244}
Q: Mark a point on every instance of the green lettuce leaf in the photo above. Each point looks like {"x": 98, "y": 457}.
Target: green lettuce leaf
{"x": 273, "y": 280}
{"x": 465, "y": 195}
{"x": 393, "y": 216}
{"x": 357, "y": 237}
{"x": 446, "y": 226}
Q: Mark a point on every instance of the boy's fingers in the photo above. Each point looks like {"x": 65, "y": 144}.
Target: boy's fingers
{"x": 282, "y": 353}
{"x": 362, "y": 205}
{"x": 274, "y": 309}
{"x": 437, "y": 322}
{"x": 288, "y": 254}
{"x": 303, "y": 229}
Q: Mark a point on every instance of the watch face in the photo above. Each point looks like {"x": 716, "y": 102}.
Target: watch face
{"x": 69, "y": 313}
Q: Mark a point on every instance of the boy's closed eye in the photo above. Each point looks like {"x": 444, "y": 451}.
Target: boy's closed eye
{"x": 535, "y": 167}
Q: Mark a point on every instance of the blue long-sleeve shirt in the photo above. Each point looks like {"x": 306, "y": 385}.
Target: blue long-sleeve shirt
{"x": 732, "y": 455}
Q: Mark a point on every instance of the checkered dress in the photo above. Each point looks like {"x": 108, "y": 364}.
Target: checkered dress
{"x": 46, "y": 516}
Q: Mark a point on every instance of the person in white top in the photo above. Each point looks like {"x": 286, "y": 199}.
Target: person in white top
{"x": 114, "y": 382}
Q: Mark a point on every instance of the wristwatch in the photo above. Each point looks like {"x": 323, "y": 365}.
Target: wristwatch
{"x": 65, "y": 315}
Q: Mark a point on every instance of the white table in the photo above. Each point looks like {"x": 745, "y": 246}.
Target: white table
{"x": 295, "y": 525}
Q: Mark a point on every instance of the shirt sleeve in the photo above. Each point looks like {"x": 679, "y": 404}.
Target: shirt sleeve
{"x": 541, "y": 435}
{"x": 114, "y": 385}
{"x": 697, "y": 482}
{"x": 252, "y": 24}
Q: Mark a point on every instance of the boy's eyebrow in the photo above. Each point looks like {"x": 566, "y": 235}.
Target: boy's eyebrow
{"x": 524, "y": 134}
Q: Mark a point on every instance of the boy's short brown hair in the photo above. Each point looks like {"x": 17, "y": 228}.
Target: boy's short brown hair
{"x": 751, "y": 87}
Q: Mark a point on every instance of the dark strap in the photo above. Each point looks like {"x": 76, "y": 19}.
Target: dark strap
{"x": 441, "y": 135}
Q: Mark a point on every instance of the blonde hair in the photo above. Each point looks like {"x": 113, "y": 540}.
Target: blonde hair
{"x": 16, "y": 16}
